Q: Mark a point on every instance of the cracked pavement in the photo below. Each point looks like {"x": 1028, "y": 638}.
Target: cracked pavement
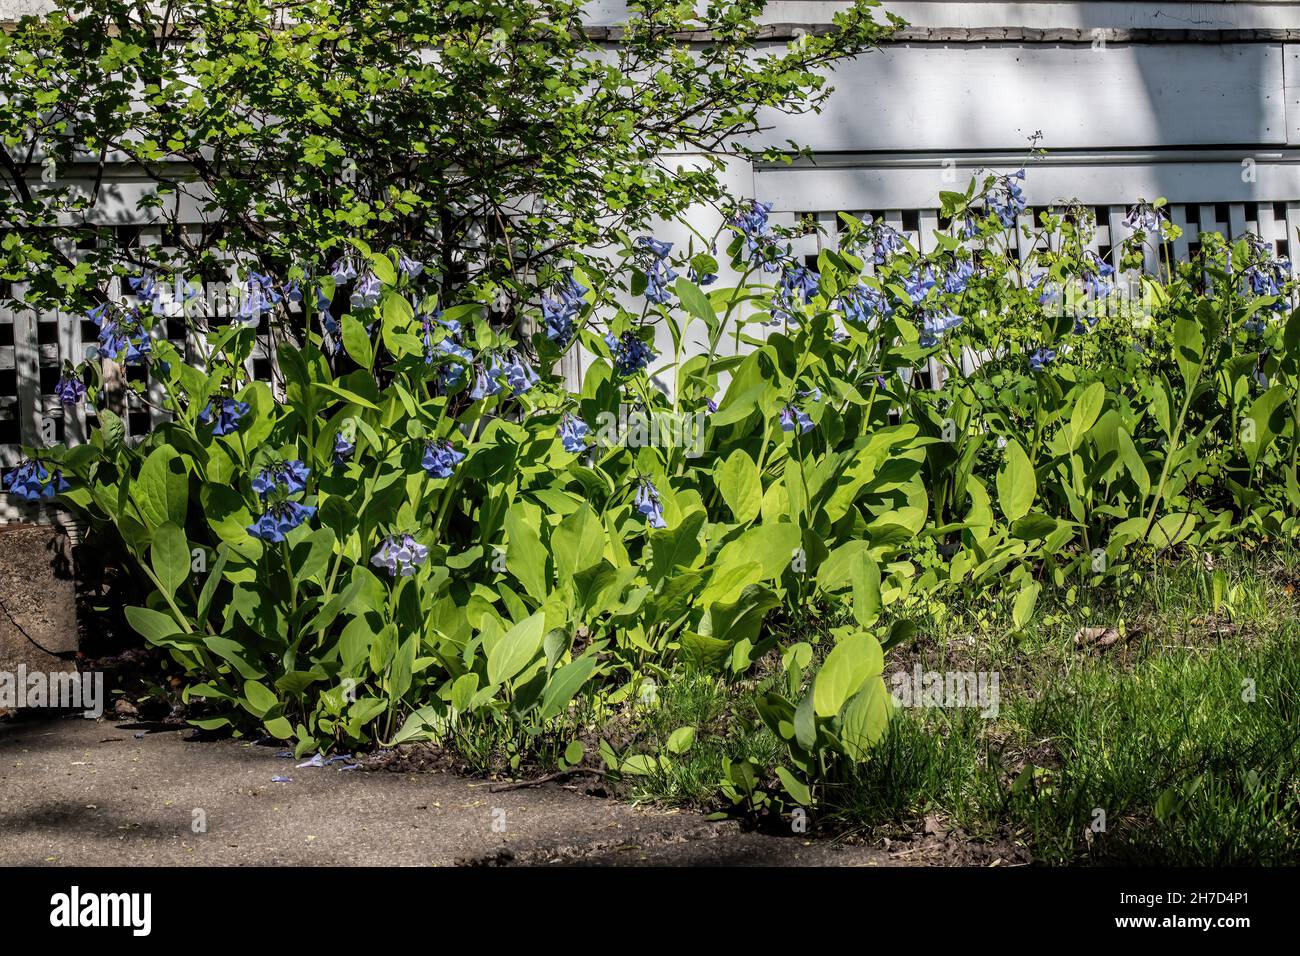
{"x": 78, "y": 792}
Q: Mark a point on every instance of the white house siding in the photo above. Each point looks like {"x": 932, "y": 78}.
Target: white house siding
{"x": 1195, "y": 102}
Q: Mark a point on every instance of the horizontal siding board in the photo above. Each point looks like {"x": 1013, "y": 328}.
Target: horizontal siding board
{"x": 1095, "y": 183}
{"x": 995, "y": 96}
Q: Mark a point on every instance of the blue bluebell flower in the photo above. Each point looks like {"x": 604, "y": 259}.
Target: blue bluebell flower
{"x": 1144, "y": 217}
{"x": 630, "y": 353}
{"x": 657, "y": 272}
{"x": 519, "y": 375}
{"x": 884, "y": 239}
{"x": 750, "y": 220}
{"x": 400, "y": 555}
{"x": 918, "y": 283}
{"x": 1006, "y": 199}
{"x": 70, "y": 390}
{"x": 441, "y": 458}
{"x": 343, "y": 448}
{"x": 658, "y": 248}
{"x": 1098, "y": 275}
{"x": 32, "y": 481}
{"x": 711, "y": 405}
{"x": 1041, "y": 358}
{"x": 560, "y": 309}
{"x": 958, "y": 277}
{"x": 791, "y": 416}
{"x": 863, "y": 303}
{"x": 124, "y": 336}
{"x": 280, "y": 518}
{"x": 1266, "y": 275}
{"x": 365, "y": 294}
{"x": 408, "y": 266}
{"x": 344, "y": 269}
{"x": 292, "y": 475}
{"x": 573, "y": 433}
{"x": 647, "y": 502}
{"x": 934, "y": 324}
{"x": 223, "y": 414}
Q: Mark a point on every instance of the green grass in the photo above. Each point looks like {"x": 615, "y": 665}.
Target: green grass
{"x": 1155, "y": 731}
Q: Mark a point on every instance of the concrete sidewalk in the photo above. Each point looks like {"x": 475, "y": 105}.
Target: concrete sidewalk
{"x": 91, "y": 793}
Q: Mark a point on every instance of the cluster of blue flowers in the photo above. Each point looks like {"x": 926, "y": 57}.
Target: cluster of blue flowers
{"x": 648, "y": 503}
{"x": 1006, "y": 199}
{"x": 750, "y": 220}
{"x": 884, "y": 240}
{"x": 509, "y": 368}
{"x": 573, "y": 433}
{"x": 1098, "y": 275}
{"x": 260, "y": 295}
{"x": 290, "y": 475}
{"x": 343, "y": 448}
{"x": 1041, "y": 358}
{"x": 441, "y": 458}
{"x": 122, "y": 334}
{"x": 792, "y": 416}
{"x": 32, "y": 481}
{"x": 630, "y": 353}
{"x": 1145, "y": 218}
{"x": 652, "y": 256}
{"x": 456, "y": 359}
{"x": 276, "y": 483}
{"x": 365, "y": 294}
{"x": 934, "y": 323}
{"x": 70, "y": 389}
{"x": 225, "y": 415}
{"x": 1267, "y": 275}
{"x": 560, "y": 309}
{"x": 400, "y": 555}
{"x": 863, "y": 303}
{"x": 798, "y": 285}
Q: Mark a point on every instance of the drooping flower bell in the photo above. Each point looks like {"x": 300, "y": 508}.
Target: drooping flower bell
{"x": 343, "y": 448}
{"x": 400, "y": 555}
{"x": 648, "y": 503}
{"x": 792, "y": 416}
{"x": 70, "y": 390}
{"x": 225, "y": 415}
{"x": 573, "y": 433}
{"x": 630, "y": 353}
{"x": 280, "y": 518}
{"x": 32, "y": 481}
{"x": 1041, "y": 358}
{"x": 291, "y": 475}
{"x": 441, "y": 458}
{"x": 365, "y": 295}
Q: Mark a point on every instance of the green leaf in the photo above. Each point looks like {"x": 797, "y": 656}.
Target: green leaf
{"x": 169, "y": 554}
{"x": 795, "y": 787}
{"x": 259, "y": 698}
{"x": 525, "y": 555}
{"x": 155, "y": 627}
{"x": 578, "y": 543}
{"x": 516, "y": 649}
{"x": 849, "y": 663}
{"x": 866, "y": 717}
{"x": 740, "y": 486}
{"x": 1023, "y": 609}
{"x": 565, "y": 684}
{"x": 1016, "y": 483}
{"x": 357, "y": 342}
{"x": 1084, "y": 414}
{"x": 681, "y": 739}
{"x": 865, "y": 577}
{"x": 161, "y": 490}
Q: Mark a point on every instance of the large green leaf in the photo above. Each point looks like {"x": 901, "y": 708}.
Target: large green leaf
{"x": 565, "y": 684}
{"x": 161, "y": 490}
{"x": 865, "y": 719}
{"x": 740, "y": 486}
{"x": 1016, "y": 483}
{"x": 516, "y": 649}
{"x": 849, "y": 663}
{"x": 169, "y": 554}
{"x": 578, "y": 543}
